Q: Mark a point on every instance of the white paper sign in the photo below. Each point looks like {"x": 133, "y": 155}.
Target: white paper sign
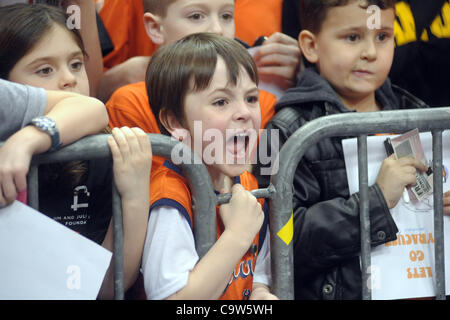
{"x": 42, "y": 259}
{"x": 403, "y": 268}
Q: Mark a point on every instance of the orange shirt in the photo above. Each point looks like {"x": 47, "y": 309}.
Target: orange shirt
{"x": 124, "y": 22}
{"x": 129, "y": 106}
{"x": 255, "y": 18}
{"x": 170, "y": 188}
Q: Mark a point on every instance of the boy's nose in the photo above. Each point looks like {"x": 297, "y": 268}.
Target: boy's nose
{"x": 369, "y": 51}
{"x": 242, "y": 112}
{"x": 216, "y": 26}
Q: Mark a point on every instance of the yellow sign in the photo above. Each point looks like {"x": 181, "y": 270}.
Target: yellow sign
{"x": 287, "y": 232}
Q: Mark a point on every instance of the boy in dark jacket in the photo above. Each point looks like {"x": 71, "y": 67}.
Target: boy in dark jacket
{"x": 350, "y": 44}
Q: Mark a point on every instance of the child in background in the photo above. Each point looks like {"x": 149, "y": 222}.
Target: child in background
{"x": 167, "y": 22}
{"x": 278, "y": 57}
{"x": 217, "y": 88}
{"x": 350, "y": 67}
{"x": 78, "y": 194}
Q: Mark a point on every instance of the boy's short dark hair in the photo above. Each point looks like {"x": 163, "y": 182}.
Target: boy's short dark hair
{"x": 314, "y": 12}
{"x": 158, "y": 7}
{"x": 189, "y": 65}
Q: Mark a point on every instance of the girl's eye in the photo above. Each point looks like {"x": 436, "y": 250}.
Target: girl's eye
{"x": 353, "y": 37}
{"x": 76, "y": 65}
{"x": 44, "y": 71}
{"x": 220, "y": 103}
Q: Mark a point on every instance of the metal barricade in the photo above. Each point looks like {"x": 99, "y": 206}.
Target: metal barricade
{"x": 280, "y": 191}
{"x": 360, "y": 125}
{"x": 95, "y": 147}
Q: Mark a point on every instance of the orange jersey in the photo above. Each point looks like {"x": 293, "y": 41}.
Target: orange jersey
{"x": 255, "y": 18}
{"x": 170, "y": 188}
{"x": 129, "y": 106}
{"x": 124, "y": 22}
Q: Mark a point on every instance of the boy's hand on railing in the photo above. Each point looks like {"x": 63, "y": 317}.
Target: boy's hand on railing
{"x": 395, "y": 175}
{"x": 243, "y": 215}
{"x": 132, "y": 156}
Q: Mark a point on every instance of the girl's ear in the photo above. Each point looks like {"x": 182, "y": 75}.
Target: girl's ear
{"x": 172, "y": 125}
{"x": 308, "y": 45}
{"x": 154, "y": 28}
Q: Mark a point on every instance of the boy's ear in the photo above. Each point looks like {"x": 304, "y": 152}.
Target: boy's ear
{"x": 154, "y": 28}
{"x": 308, "y": 45}
{"x": 172, "y": 125}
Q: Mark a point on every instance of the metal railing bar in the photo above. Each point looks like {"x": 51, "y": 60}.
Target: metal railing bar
{"x": 364, "y": 217}
{"x": 439, "y": 253}
{"x": 259, "y": 193}
{"x": 119, "y": 272}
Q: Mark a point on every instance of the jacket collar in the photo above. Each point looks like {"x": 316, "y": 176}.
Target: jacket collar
{"x": 312, "y": 87}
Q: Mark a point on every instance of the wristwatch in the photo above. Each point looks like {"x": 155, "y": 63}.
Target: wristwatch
{"x": 48, "y": 126}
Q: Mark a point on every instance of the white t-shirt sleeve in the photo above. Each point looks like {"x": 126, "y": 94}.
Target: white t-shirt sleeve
{"x": 263, "y": 272}
{"x": 169, "y": 253}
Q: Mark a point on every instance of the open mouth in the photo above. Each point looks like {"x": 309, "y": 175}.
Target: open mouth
{"x": 237, "y": 145}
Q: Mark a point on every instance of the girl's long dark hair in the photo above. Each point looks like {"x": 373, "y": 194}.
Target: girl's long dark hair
{"x": 22, "y": 26}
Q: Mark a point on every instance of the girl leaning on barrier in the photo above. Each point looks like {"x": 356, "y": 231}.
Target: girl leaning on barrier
{"x": 38, "y": 49}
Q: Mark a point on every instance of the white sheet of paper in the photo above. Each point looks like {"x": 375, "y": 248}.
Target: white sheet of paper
{"x": 405, "y": 268}
{"x": 265, "y": 83}
{"x": 42, "y": 259}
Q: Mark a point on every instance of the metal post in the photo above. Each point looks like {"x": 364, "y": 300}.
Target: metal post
{"x": 364, "y": 217}
{"x": 118, "y": 245}
{"x": 438, "y": 216}
{"x": 282, "y": 262}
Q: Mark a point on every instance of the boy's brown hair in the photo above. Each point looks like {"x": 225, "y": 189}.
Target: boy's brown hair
{"x": 189, "y": 65}
{"x": 314, "y": 12}
{"x": 158, "y": 7}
